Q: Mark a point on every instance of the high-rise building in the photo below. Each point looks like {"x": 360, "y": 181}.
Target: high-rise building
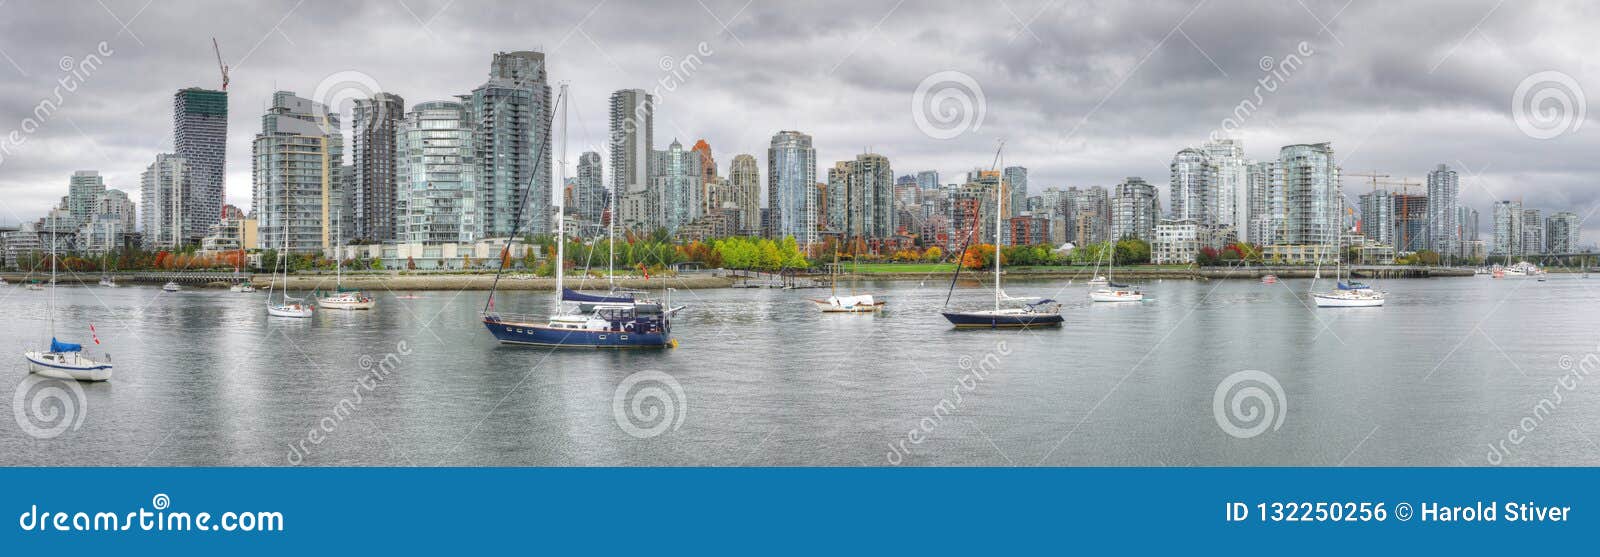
{"x": 1268, "y": 206}
{"x": 590, "y": 199}
{"x": 200, "y": 137}
{"x": 1468, "y": 217}
{"x": 1190, "y": 190}
{"x": 744, "y": 177}
{"x": 861, "y": 201}
{"x": 1314, "y": 196}
{"x": 295, "y": 174}
{"x": 1563, "y": 233}
{"x": 1016, "y": 179}
{"x": 1134, "y": 210}
{"x": 1377, "y": 217}
{"x": 1444, "y": 211}
{"x": 84, "y": 188}
{"x": 372, "y": 149}
{"x": 1230, "y": 191}
{"x": 791, "y": 186}
{"x": 708, "y": 175}
{"x": 1507, "y": 229}
{"x": 1532, "y": 232}
{"x": 116, "y": 202}
{"x": 928, "y": 180}
{"x": 161, "y": 192}
{"x": 436, "y": 176}
{"x": 511, "y": 113}
{"x": 675, "y": 186}
{"x": 632, "y": 130}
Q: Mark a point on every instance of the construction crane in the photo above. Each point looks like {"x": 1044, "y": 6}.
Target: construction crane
{"x": 1377, "y": 179}
{"x": 220, "y": 66}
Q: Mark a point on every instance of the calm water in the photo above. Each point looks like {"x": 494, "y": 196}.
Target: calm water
{"x": 205, "y": 378}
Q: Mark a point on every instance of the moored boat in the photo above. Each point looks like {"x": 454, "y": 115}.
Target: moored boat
{"x": 171, "y": 286}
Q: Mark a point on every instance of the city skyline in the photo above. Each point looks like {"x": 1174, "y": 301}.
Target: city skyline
{"x": 1120, "y": 124}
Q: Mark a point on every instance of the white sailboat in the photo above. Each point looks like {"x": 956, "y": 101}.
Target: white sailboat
{"x": 1347, "y": 293}
{"x": 1111, "y": 291}
{"x": 340, "y": 298}
{"x": 286, "y": 307}
{"x": 171, "y": 286}
{"x": 854, "y": 303}
{"x": 64, "y": 360}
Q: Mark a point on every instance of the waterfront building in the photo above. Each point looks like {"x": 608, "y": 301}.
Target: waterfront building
{"x": 372, "y": 150}
{"x": 1410, "y": 223}
{"x": 928, "y": 180}
{"x": 1016, "y": 178}
{"x": 1532, "y": 232}
{"x": 235, "y": 231}
{"x": 1190, "y": 190}
{"x": 590, "y": 200}
{"x": 1229, "y": 189}
{"x": 116, "y": 202}
{"x": 1134, "y": 210}
{"x": 1444, "y": 211}
{"x": 744, "y": 178}
{"x": 1377, "y": 216}
{"x": 482, "y": 254}
{"x": 791, "y": 186}
{"x": 1563, "y": 233}
{"x": 1091, "y": 216}
{"x": 708, "y": 175}
{"x": 161, "y": 191}
{"x": 675, "y": 187}
{"x": 632, "y": 130}
{"x": 437, "y": 188}
{"x": 295, "y": 170}
{"x": 1468, "y": 219}
{"x": 200, "y": 138}
{"x": 861, "y": 200}
{"x": 82, "y": 191}
{"x": 1507, "y": 229}
{"x": 511, "y": 115}
{"x": 1314, "y": 196}
{"x": 22, "y": 242}
{"x": 1176, "y": 242}
{"x": 1267, "y": 204}
{"x": 1029, "y": 230}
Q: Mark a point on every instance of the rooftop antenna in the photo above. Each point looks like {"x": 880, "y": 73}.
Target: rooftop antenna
{"x": 220, "y": 66}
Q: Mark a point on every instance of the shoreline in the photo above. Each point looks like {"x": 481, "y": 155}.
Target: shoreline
{"x": 696, "y": 280}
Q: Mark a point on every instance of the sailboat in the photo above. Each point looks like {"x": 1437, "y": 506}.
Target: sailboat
{"x": 1113, "y": 292}
{"x": 854, "y": 303}
{"x": 631, "y": 324}
{"x": 171, "y": 286}
{"x": 588, "y": 302}
{"x": 108, "y": 282}
{"x": 341, "y": 298}
{"x": 64, "y": 360}
{"x": 286, "y": 306}
{"x": 1039, "y": 313}
{"x": 1347, "y": 293}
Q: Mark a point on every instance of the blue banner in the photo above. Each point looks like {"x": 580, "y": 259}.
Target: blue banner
{"x": 785, "y": 510}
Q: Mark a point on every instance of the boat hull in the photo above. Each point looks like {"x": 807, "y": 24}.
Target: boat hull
{"x": 542, "y": 335}
{"x": 991, "y": 320}
{"x": 283, "y": 311}
{"x": 345, "y": 304}
{"x": 1116, "y": 297}
{"x": 83, "y": 370}
{"x": 1324, "y": 301}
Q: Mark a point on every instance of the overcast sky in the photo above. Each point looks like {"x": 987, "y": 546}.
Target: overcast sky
{"x": 1084, "y": 93}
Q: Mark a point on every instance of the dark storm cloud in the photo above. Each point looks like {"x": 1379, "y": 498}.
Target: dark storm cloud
{"x": 1085, "y": 93}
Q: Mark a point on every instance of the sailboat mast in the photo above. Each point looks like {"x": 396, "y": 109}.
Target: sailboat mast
{"x": 561, "y": 204}
{"x": 53, "y": 223}
{"x": 999, "y": 216}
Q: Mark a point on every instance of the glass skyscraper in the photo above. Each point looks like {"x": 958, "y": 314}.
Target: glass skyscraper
{"x": 512, "y": 112}
{"x": 436, "y": 177}
{"x": 792, "y": 186}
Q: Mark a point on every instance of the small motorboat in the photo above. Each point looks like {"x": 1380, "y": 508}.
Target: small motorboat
{"x": 1269, "y": 279}
{"x": 242, "y": 287}
{"x": 4, "y": 283}
{"x": 34, "y": 285}
{"x": 107, "y": 282}
{"x": 171, "y": 286}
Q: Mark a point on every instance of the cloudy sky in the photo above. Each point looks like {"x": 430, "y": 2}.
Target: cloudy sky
{"x": 1084, "y": 93}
